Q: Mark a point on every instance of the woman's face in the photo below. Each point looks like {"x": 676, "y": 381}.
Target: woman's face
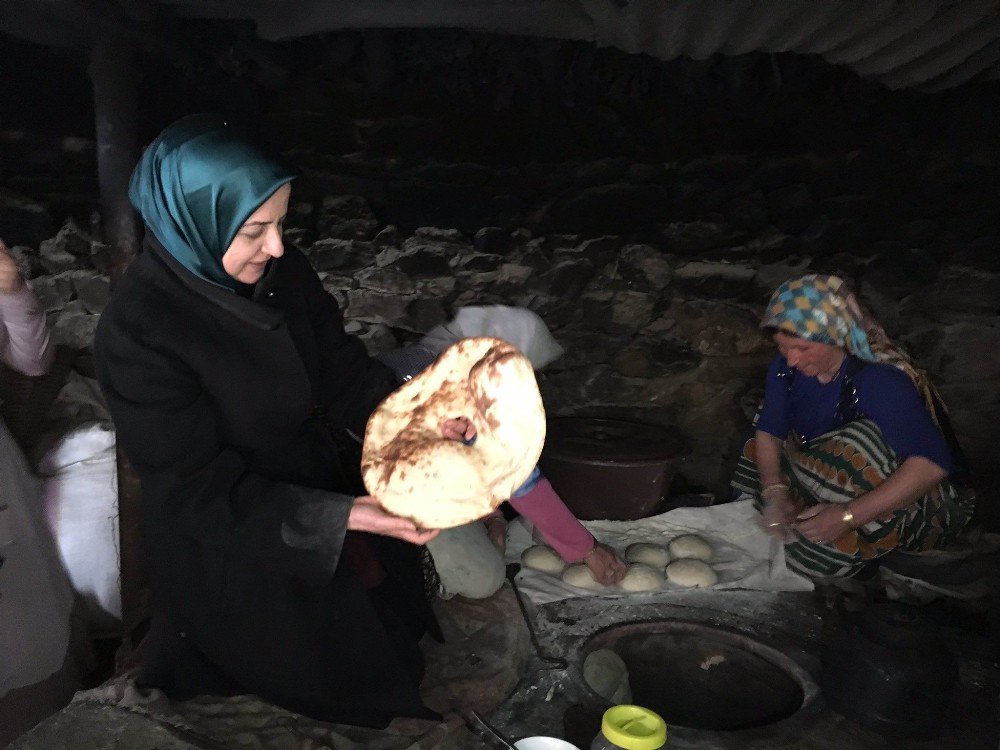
{"x": 812, "y": 358}
{"x": 259, "y": 239}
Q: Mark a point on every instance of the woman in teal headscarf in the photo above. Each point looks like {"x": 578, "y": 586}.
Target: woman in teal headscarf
{"x": 849, "y": 460}
{"x": 235, "y": 392}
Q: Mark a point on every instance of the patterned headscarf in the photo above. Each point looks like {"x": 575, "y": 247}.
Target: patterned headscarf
{"x": 196, "y": 184}
{"x": 823, "y": 309}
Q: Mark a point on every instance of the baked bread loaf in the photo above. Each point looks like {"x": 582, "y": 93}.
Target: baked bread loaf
{"x": 439, "y": 483}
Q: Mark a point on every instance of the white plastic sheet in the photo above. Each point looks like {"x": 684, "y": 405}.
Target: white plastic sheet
{"x": 81, "y": 508}
{"x": 745, "y": 557}
{"x": 515, "y": 325}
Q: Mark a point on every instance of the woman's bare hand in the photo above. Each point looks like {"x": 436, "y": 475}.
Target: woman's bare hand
{"x": 367, "y": 515}
{"x": 496, "y": 530}
{"x": 458, "y": 428}
{"x": 10, "y": 276}
{"x": 605, "y": 565}
{"x": 822, "y": 523}
{"x": 779, "y": 513}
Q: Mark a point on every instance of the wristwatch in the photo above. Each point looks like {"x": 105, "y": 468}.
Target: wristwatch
{"x": 848, "y": 516}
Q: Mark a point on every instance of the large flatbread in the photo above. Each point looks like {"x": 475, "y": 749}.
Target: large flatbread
{"x": 416, "y": 473}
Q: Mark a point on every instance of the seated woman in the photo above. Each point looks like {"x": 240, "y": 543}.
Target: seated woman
{"x": 849, "y": 461}
{"x": 469, "y": 559}
{"x": 233, "y": 388}
{"x": 39, "y": 669}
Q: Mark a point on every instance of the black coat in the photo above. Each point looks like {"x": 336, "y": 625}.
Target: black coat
{"x": 245, "y": 496}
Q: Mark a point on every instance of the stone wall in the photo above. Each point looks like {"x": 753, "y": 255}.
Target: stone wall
{"x": 648, "y": 239}
{"x": 663, "y": 329}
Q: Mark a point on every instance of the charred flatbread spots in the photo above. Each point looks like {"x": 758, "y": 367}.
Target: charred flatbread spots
{"x": 416, "y": 473}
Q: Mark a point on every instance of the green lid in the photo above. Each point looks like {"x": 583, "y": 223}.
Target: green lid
{"x": 634, "y": 728}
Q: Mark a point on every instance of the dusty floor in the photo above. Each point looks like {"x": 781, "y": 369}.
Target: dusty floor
{"x": 489, "y": 666}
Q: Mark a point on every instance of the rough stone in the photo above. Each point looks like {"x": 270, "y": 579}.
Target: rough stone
{"x": 901, "y": 273}
{"x": 24, "y": 220}
{"x": 969, "y": 353}
{"x": 386, "y": 280}
{"x": 713, "y": 329}
{"x": 695, "y": 237}
{"x": 567, "y": 279}
{"x": 608, "y": 209}
{"x": 422, "y": 314}
{"x": 964, "y": 291}
{"x": 334, "y": 254}
{"x": 28, "y": 263}
{"x": 748, "y": 211}
{"x": 346, "y": 217}
{"x": 55, "y": 259}
{"x": 718, "y": 280}
{"x": 74, "y": 327}
{"x": 53, "y": 292}
{"x": 791, "y": 208}
{"x": 493, "y": 240}
{"x": 372, "y": 307}
{"x": 93, "y": 290}
{"x": 437, "y": 287}
{"x": 645, "y": 266}
{"x": 377, "y": 338}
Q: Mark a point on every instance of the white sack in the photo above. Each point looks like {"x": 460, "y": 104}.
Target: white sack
{"x": 515, "y": 325}
{"x": 81, "y": 507}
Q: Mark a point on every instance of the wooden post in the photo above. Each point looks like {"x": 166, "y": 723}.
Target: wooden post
{"x": 113, "y": 76}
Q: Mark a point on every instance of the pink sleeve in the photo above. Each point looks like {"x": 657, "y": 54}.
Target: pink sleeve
{"x": 24, "y": 337}
{"x": 560, "y": 528}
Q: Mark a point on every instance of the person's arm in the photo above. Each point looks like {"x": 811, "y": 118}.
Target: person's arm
{"x": 779, "y": 507}
{"x": 537, "y": 501}
{"x": 25, "y": 344}
{"x": 772, "y": 428}
{"x": 566, "y": 535}
{"x": 911, "y": 481}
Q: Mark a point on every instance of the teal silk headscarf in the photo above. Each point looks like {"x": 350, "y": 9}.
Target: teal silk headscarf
{"x": 196, "y": 184}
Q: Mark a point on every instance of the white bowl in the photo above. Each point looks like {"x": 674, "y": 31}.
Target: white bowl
{"x": 544, "y": 743}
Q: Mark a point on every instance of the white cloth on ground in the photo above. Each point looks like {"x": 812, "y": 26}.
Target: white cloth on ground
{"x": 745, "y": 557}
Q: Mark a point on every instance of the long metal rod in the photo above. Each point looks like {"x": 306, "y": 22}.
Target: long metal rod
{"x": 552, "y": 662}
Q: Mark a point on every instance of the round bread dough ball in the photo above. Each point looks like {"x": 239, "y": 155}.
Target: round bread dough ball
{"x": 580, "y": 576}
{"x": 692, "y": 573}
{"x": 690, "y": 545}
{"x": 650, "y": 554}
{"x": 642, "y": 577}
{"x": 542, "y": 558}
{"x": 606, "y": 674}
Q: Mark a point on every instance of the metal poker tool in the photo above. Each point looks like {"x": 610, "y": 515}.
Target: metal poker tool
{"x": 493, "y": 731}
{"x": 550, "y": 662}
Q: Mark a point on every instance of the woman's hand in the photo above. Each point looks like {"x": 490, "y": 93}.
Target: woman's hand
{"x": 10, "y": 277}
{"x": 367, "y": 515}
{"x": 496, "y": 530}
{"x": 459, "y": 428}
{"x": 604, "y": 565}
{"x": 779, "y": 512}
{"x": 823, "y": 523}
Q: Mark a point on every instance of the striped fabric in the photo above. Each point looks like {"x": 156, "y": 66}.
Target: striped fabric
{"x": 838, "y": 467}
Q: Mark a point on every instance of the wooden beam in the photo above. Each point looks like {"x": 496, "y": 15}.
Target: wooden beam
{"x": 113, "y": 75}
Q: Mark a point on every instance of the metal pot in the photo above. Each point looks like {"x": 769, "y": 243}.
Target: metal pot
{"x": 610, "y": 468}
